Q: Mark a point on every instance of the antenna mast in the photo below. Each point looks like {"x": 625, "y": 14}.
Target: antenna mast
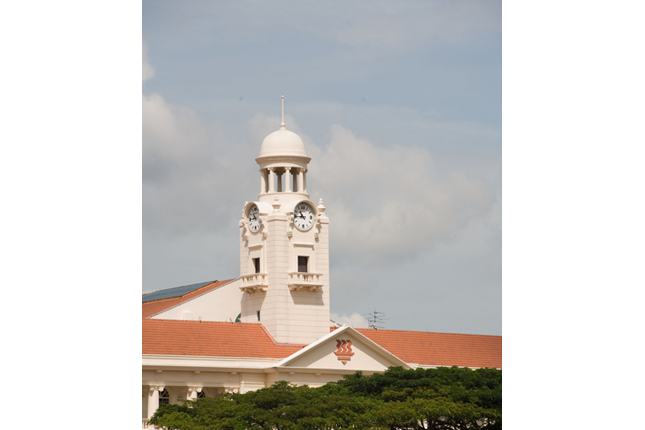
{"x": 376, "y": 319}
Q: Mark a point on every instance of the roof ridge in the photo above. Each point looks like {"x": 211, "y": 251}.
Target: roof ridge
{"x": 428, "y": 332}
{"x": 221, "y": 283}
{"x": 187, "y": 285}
{"x": 176, "y": 288}
{"x": 200, "y": 321}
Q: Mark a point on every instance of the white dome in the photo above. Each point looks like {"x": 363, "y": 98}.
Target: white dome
{"x": 283, "y": 143}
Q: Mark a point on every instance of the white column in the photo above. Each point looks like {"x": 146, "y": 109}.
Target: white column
{"x": 304, "y": 177}
{"x": 301, "y": 180}
{"x": 279, "y": 176}
{"x": 271, "y": 183}
{"x": 263, "y": 182}
{"x": 153, "y": 400}
{"x": 287, "y": 180}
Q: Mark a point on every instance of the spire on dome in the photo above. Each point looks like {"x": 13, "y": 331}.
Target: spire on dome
{"x": 283, "y": 143}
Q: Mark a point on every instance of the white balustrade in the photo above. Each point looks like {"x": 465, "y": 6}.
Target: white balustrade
{"x": 304, "y": 280}
{"x": 254, "y": 282}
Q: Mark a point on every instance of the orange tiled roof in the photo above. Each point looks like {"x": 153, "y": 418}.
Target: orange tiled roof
{"x": 211, "y": 339}
{"x": 151, "y": 308}
{"x": 440, "y": 349}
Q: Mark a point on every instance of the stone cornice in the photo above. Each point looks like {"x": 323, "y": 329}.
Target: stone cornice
{"x": 191, "y": 363}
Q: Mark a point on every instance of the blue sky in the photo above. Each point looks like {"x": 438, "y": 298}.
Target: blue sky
{"x": 399, "y": 106}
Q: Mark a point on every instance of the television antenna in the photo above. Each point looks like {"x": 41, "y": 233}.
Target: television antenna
{"x": 376, "y": 320}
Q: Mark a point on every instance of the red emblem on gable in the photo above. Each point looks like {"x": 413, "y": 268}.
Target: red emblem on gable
{"x": 344, "y": 351}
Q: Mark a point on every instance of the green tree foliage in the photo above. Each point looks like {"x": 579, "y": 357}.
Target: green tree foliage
{"x": 430, "y": 399}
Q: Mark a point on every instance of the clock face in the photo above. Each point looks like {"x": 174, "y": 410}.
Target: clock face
{"x": 254, "y": 218}
{"x": 303, "y": 217}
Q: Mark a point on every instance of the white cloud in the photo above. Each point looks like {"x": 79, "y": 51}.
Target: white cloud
{"x": 148, "y": 71}
{"x": 191, "y": 173}
{"x": 173, "y": 138}
{"x": 389, "y": 202}
{"x": 355, "y": 320}
{"x": 386, "y": 204}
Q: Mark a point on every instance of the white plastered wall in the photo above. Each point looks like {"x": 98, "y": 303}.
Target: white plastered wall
{"x": 220, "y": 304}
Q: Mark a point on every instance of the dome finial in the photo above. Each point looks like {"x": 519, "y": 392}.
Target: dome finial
{"x": 282, "y": 125}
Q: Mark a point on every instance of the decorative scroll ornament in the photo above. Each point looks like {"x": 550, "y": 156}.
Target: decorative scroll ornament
{"x": 265, "y": 230}
{"x": 321, "y": 212}
{"x": 344, "y": 351}
{"x": 245, "y": 224}
{"x": 290, "y": 226}
{"x": 195, "y": 390}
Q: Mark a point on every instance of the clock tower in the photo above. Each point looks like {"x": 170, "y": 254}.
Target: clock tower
{"x": 284, "y": 246}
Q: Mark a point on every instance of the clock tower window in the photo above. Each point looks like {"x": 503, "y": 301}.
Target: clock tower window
{"x": 256, "y": 264}
{"x": 303, "y": 263}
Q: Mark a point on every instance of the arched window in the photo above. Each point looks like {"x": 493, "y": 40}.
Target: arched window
{"x": 164, "y": 397}
{"x": 201, "y": 394}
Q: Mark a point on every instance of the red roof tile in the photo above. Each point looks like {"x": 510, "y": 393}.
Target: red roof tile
{"x": 440, "y": 349}
{"x": 154, "y": 307}
{"x": 211, "y": 339}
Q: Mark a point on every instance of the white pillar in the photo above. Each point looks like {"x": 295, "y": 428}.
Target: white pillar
{"x": 287, "y": 180}
{"x": 271, "y": 183}
{"x": 153, "y": 400}
{"x": 301, "y": 180}
{"x": 263, "y": 182}
{"x": 304, "y": 185}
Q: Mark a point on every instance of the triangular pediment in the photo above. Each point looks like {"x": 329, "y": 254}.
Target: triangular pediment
{"x": 343, "y": 349}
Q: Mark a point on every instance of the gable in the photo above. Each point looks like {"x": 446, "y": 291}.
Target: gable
{"x": 344, "y": 349}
